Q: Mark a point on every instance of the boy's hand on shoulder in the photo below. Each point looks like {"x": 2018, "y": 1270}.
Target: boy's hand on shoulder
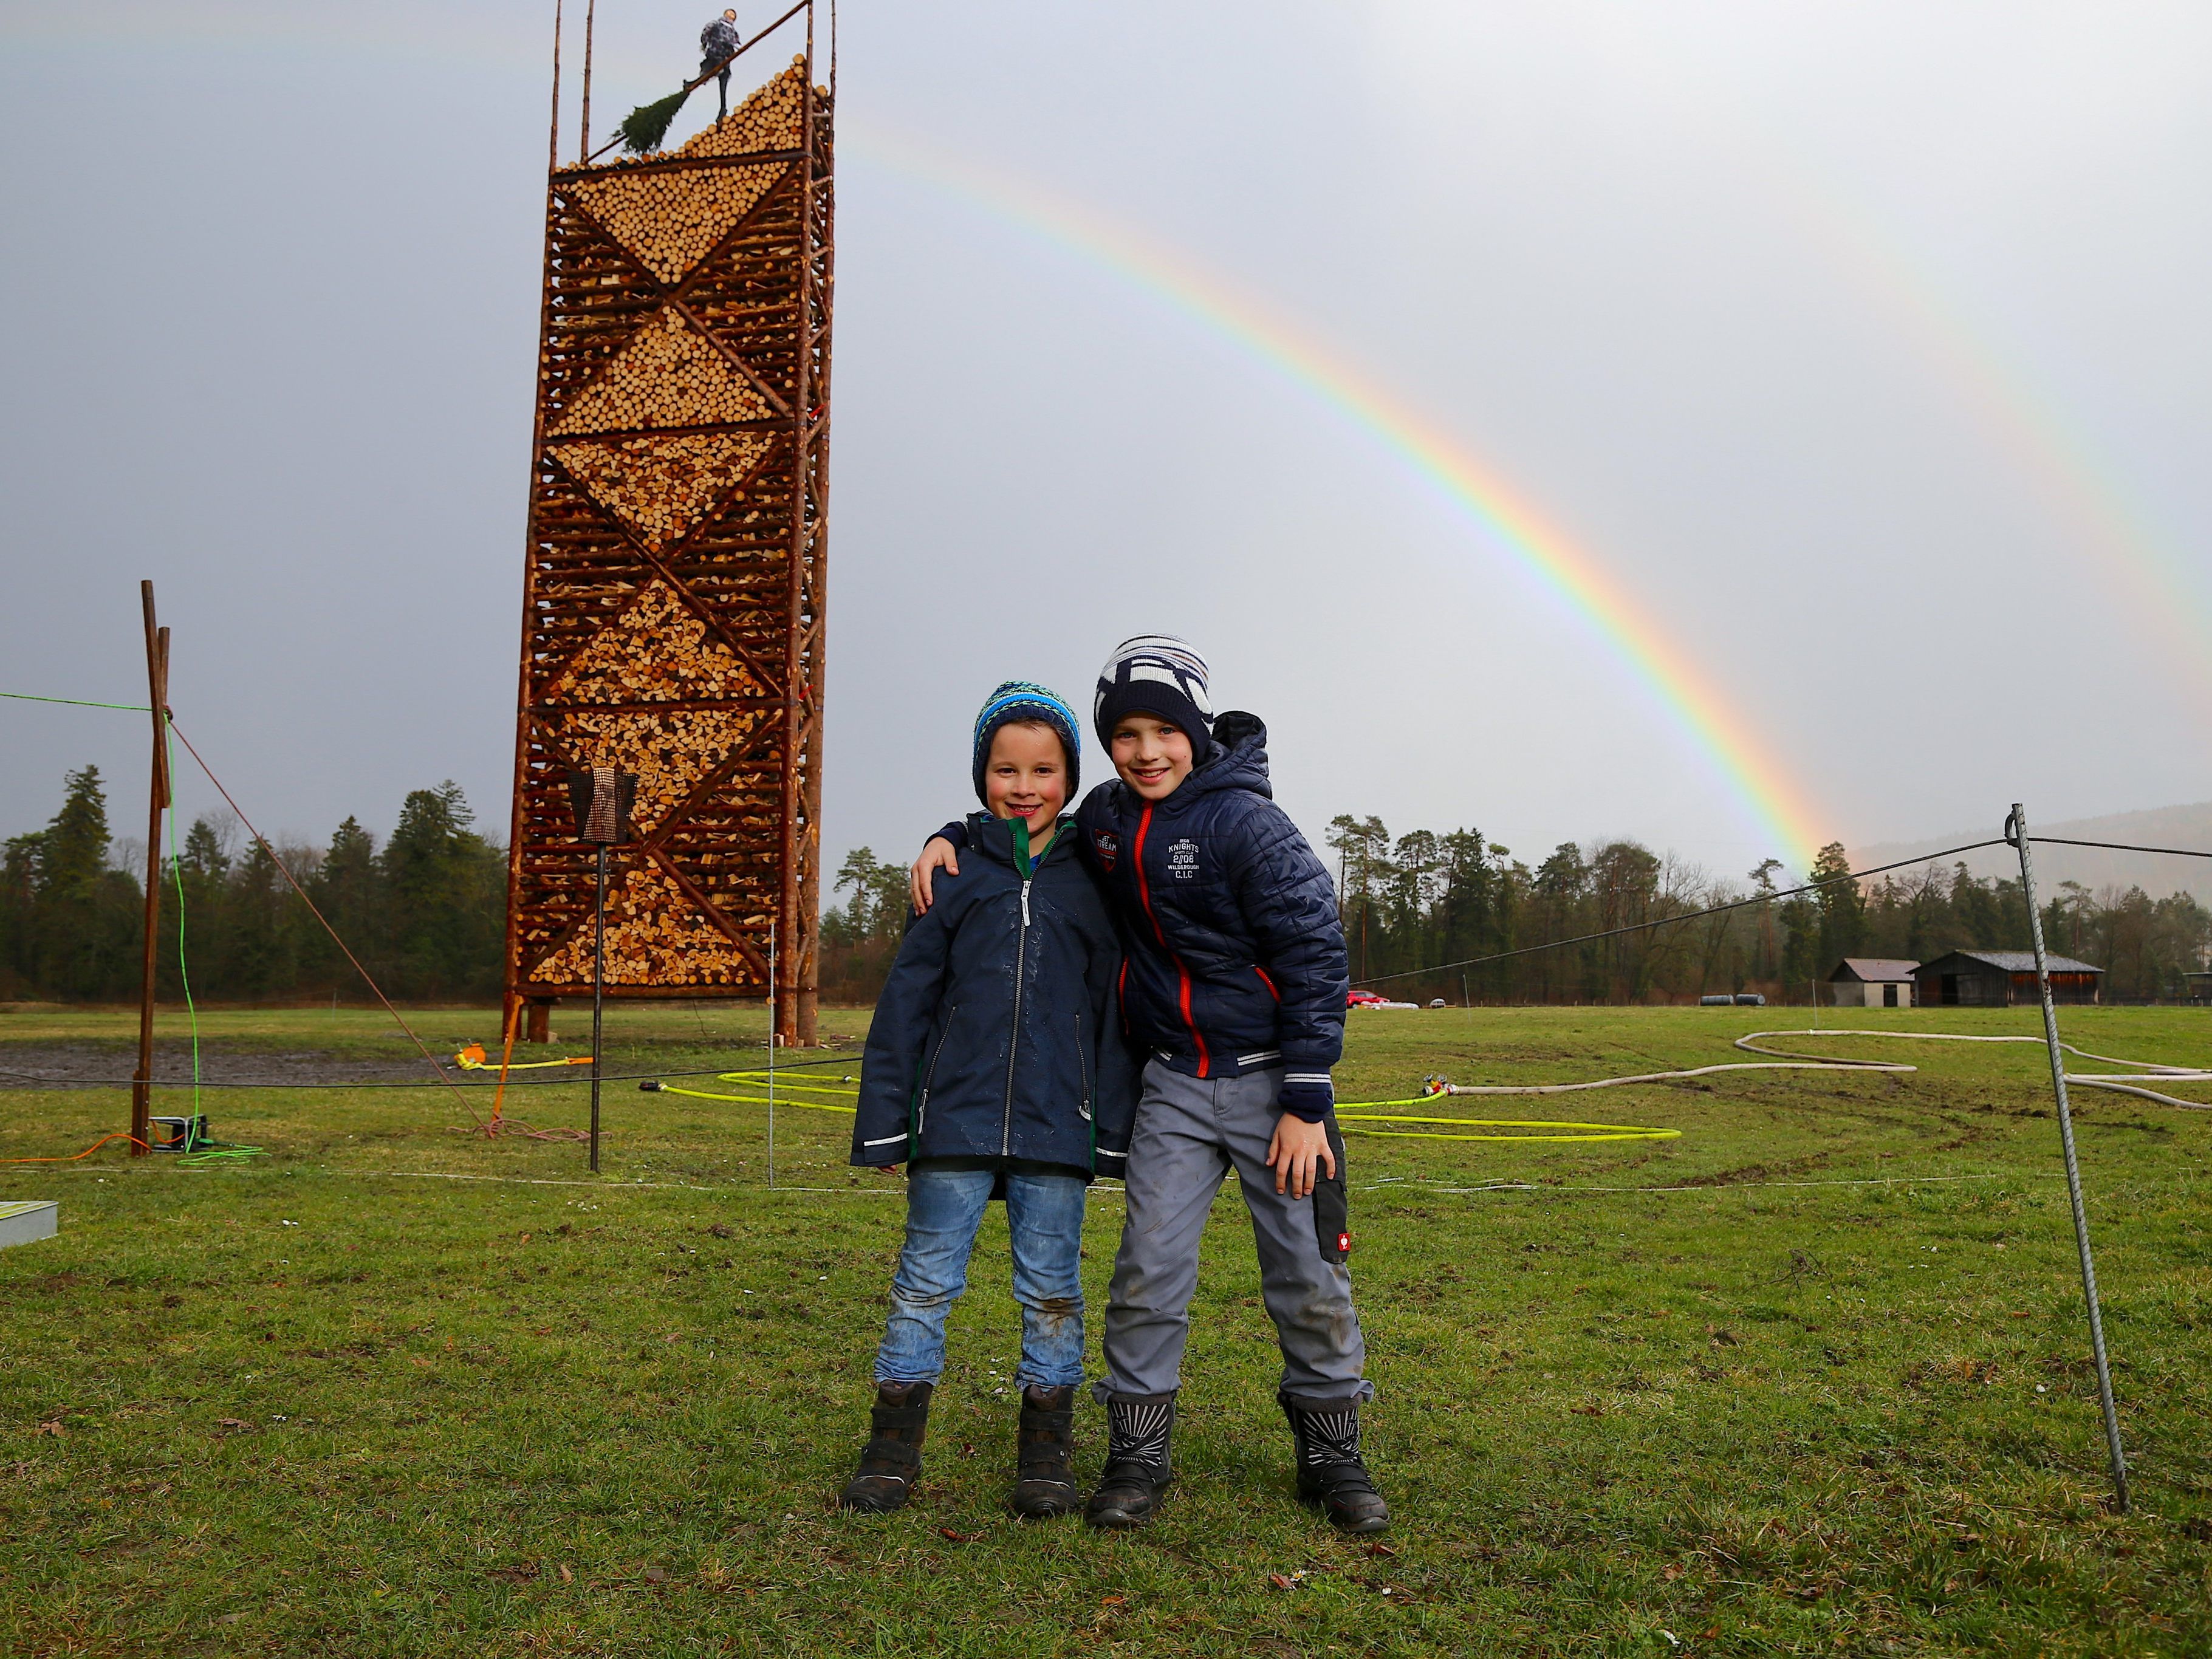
{"x": 1294, "y": 1153}
{"x": 937, "y": 853}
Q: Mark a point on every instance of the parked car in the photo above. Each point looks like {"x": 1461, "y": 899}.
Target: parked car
{"x": 1369, "y": 999}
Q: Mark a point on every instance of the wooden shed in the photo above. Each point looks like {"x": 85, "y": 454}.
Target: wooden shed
{"x": 2000, "y": 979}
{"x": 1872, "y": 982}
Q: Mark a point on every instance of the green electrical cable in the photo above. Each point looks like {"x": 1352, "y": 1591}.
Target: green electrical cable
{"x": 183, "y": 973}
{"x": 197, "y": 1154}
{"x": 77, "y": 702}
{"x": 219, "y": 1154}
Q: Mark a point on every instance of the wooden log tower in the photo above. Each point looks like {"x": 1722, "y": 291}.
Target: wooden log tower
{"x": 672, "y": 604}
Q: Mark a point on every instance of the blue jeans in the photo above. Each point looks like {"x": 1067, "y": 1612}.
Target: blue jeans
{"x": 944, "y": 1207}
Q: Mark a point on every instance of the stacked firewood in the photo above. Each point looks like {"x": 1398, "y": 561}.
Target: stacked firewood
{"x": 657, "y": 650}
{"x": 768, "y": 120}
{"x": 667, "y": 375}
{"x": 655, "y": 936}
{"x": 660, "y": 486}
{"x": 672, "y": 220}
{"x": 669, "y": 751}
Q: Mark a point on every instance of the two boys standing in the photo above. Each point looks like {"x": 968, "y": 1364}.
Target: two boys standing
{"x": 1177, "y": 917}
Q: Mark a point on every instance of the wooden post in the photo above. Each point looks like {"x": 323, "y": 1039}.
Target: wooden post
{"x": 584, "y": 137}
{"x": 157, "y": 697}
{"x": 553, "y": 131}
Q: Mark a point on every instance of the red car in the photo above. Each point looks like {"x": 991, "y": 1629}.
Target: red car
{"x": 1364, "y": 999}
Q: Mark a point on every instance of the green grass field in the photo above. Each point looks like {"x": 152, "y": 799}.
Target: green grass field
{"x": 1812, "y": 1378}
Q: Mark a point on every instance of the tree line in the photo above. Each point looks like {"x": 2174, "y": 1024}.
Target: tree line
{"x": 1411, "y": 902}
{"x": 1422, "y": 899}
{"x": 425, "y": 912}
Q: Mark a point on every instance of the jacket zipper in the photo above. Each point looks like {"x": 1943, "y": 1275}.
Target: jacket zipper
{"x": 1082, "y": 1059}
{"x": 1014, "y": 1037}
{"x": 921, "y": 1112}
{"x": 1182, "y": 973}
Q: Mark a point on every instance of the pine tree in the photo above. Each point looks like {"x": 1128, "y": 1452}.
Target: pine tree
{"x": 81, "y": 924}
{"x": 446, "y": 887}
{"x": 1843, "y": 907}
{"x": 349, "y": 890}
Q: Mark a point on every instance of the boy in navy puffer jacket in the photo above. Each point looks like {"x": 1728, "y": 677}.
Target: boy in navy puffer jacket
{"x": 997, "y": 1067}
{"x": 1236, "y": 986}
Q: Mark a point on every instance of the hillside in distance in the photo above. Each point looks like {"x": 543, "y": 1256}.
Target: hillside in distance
{"x": 2094, "y": 867}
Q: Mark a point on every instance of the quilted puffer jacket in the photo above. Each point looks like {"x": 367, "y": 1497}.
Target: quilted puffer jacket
{"x": 1237, "y": 961}
{"x": 999, "y": 1035}
{"x": 1235, "y": 957}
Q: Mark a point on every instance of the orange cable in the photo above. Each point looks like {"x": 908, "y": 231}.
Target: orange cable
{"x": 118, "y": 1135}
{"x": 506, "y": 1054}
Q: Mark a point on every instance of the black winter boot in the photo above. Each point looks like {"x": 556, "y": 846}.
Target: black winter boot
{"x": 1044, "y": 1478}
{"x": 891, "y": 1463}
{"x": 1327, "y": 1436}
{"x": 1137, "y": 1472}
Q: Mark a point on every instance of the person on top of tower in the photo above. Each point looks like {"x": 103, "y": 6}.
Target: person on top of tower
{"x": 718, "y": 43}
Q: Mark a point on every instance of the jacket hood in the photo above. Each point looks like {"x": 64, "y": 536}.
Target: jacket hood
{"x": 1240, "y": 757}
{"x": 1239, "y": 760}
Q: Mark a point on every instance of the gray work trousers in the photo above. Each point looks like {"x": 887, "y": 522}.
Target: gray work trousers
{"x": 1189, "y": 1133}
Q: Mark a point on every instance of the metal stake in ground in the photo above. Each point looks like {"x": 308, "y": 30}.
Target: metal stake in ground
{"x": 772, "y": 1005}
{"x": 598, "y": 991}
{"x": 2016, "y": 833}
{"x": 602, "y": 798}
{"x": 157, "y": 687}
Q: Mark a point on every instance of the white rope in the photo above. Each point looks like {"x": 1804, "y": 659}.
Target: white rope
{"x": 2119, "y": 1088}
{"x": 1749, "y": 1046}
{"x": 1665, "y": 1076}
{"x": 2122, "y": 1083}
{"x": 1791, "y": 1060}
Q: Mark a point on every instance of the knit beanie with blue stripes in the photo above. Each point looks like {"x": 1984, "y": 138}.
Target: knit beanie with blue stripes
{"x": 1161, "y": 675}
{"x": 1022, "y": 699}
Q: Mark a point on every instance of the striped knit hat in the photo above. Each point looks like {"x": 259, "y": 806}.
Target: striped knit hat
{"x": 1160, "y": 675}
{"x": 1023, "y": 700}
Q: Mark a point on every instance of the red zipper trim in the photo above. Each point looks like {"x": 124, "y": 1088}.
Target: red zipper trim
{"x": 1205, "y": 1066}
{"x": 1144, "y": 889}
{"x": 1182, "y": 973}
{"x": 1269, "y": 983}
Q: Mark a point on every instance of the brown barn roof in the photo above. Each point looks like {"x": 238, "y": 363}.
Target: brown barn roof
{"x": 2019, "y": 962}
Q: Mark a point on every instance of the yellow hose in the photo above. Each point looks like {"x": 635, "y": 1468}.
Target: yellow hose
{"x": 1563, "y": 1131}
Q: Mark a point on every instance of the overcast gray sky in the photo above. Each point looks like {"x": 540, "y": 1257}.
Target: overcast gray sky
{"x": 1855, "y": 354}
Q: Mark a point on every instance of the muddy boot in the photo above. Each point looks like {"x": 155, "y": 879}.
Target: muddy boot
{"x": 1137, "y": 1472}
{"x": 1044, "y": 1478}
{"x": 891, "y": 1463}
{"x": 1327, "y": 1436}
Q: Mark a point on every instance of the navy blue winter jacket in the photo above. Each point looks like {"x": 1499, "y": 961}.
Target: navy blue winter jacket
{"x": 999, "y": 1033}
{"x": 1236, "y": 960}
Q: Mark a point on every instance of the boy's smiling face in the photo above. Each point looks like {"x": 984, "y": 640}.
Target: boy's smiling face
{"x": 1026, "y": 776}
{"x": 1153, "y": 757}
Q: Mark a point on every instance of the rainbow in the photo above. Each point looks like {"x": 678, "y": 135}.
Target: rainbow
{"x": 2165, "y": 593}
{"x": 1770, "y": 797}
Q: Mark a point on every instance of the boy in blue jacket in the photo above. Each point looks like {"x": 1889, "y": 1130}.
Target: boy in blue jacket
{"x": 1235, "y": 985}
{"x": 996, "y": 1067}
